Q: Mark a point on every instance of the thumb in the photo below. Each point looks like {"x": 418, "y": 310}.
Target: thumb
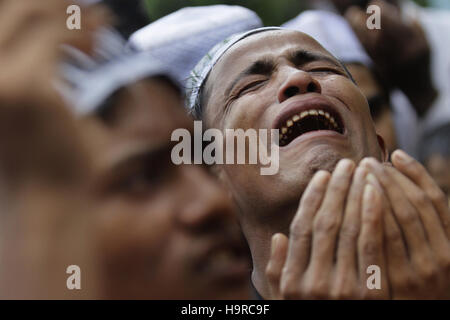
{"x": 275, "y": 266}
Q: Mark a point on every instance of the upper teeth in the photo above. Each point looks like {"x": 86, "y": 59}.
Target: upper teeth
{"x": 296, "y": 117}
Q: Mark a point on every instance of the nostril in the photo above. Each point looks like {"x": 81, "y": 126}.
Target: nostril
{"x": 312, "y": 87}
{"x": 291, "y": 91}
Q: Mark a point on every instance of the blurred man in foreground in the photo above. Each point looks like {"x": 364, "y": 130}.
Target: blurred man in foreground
{"x": 100, "y": 192}
{"x": 164, "y": 231}
{"x": 45, "y": 222}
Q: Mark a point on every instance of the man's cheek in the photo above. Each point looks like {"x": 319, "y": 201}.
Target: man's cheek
{"x": 243, "y": 114}
{"x": 344, "y": 90}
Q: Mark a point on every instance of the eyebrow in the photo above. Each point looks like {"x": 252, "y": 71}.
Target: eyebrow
{"x": 135, "y": 155}
{"x": 266, "y": 66}
{"x": 127, "y": 162}
{"x": 138, "y": 158}
{"x": 300, "y": 57}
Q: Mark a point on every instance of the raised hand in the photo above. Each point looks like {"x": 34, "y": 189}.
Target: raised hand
{"x": 336, "y": 234}
{"x": 400, "y": 51}
{"x": 417, "y": 228}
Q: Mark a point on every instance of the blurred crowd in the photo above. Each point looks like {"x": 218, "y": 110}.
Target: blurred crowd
{"x": 87, "y": 179}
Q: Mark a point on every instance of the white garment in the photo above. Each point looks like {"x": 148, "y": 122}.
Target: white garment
{"x": 183, "y": 37}
{"x": 436, "y": 24}
{"x": 406, "y": 123}
{"x": 333, "y": 32}
{"x": 409, "y": 129}
{"x": 91, "y": 80}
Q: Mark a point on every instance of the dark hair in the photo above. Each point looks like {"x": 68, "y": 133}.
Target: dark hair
{"x": 107, "y": 110}
{"x": 131, "y": 15}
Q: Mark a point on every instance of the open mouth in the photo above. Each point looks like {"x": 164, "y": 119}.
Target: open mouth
{"x": 307, "y": 121}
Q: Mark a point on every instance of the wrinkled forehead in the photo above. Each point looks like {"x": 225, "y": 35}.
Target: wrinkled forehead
{"x": 273, "y": 45}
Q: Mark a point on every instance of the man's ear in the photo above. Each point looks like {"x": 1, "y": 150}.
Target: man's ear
{"x": 384, "y": 153}
{"x": 215, "y": 170}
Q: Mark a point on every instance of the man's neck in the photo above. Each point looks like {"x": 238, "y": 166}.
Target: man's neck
{"x": 259, "y": 238}
{"x": 260, "y": 256}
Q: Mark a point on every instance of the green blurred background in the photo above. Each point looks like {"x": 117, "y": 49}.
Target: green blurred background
{"x": 272, "y": 12}
{"x": 134, "y": 14}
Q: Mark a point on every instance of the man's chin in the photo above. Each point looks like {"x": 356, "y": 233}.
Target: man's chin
{"x": 307, "y": 161}
{"x": 296, "y": 173}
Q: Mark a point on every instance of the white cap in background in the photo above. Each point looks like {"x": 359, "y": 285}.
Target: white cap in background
{"x": 333, "y": 32}
{"x": 183, "y": 37}
{"x": 90, "y": 80}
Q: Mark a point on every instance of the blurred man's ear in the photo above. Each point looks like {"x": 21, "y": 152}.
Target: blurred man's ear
{"x": 217, "y": 171}
{"x": 384, "y": 151}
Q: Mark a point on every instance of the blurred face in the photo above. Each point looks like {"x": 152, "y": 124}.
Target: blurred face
{"x": 378, "y": 104}
{"x": 43, "y": 203}
{"x": 343, "y": 5}
{"x": 165, "y": 231}
{"x": 285, "y": 80}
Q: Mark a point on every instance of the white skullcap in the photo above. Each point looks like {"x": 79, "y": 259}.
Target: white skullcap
{"x": 333, "y": 32}
{"x": 201, "y": 71}
{"x": 182, "y": 38}
{"x": 91, "y": 80}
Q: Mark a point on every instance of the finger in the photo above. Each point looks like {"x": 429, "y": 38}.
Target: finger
{"x": 94, "y": 17}
{"x": 40, "y": 82}
{"x": 357, "y": 19}
{"x": 398, "y": 266}
{"x": 346, "y": 264}
{"x": 19, "y": 16}
{"x": 394, "y": 245}
{"x": 329, "y": 217}
{"x": 430, "y": 219}
{"x": 418, "y": 174}
{"x": 370, "y": 243}
{"x": 301, "y": 227}
{"x": 276, "y": 263}
{"x": 51, "y": 28}
{"x": 31, "y": 16}
{"x": 404, "y": 212}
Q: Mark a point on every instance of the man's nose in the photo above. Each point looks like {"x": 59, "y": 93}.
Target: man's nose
{"x": 207, "y": 205}
{"x": 298, "y": 82}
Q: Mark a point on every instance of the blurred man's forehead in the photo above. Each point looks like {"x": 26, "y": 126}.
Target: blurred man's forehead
{"x": 150, "y": 107}
{"x": 146, "y": 113}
